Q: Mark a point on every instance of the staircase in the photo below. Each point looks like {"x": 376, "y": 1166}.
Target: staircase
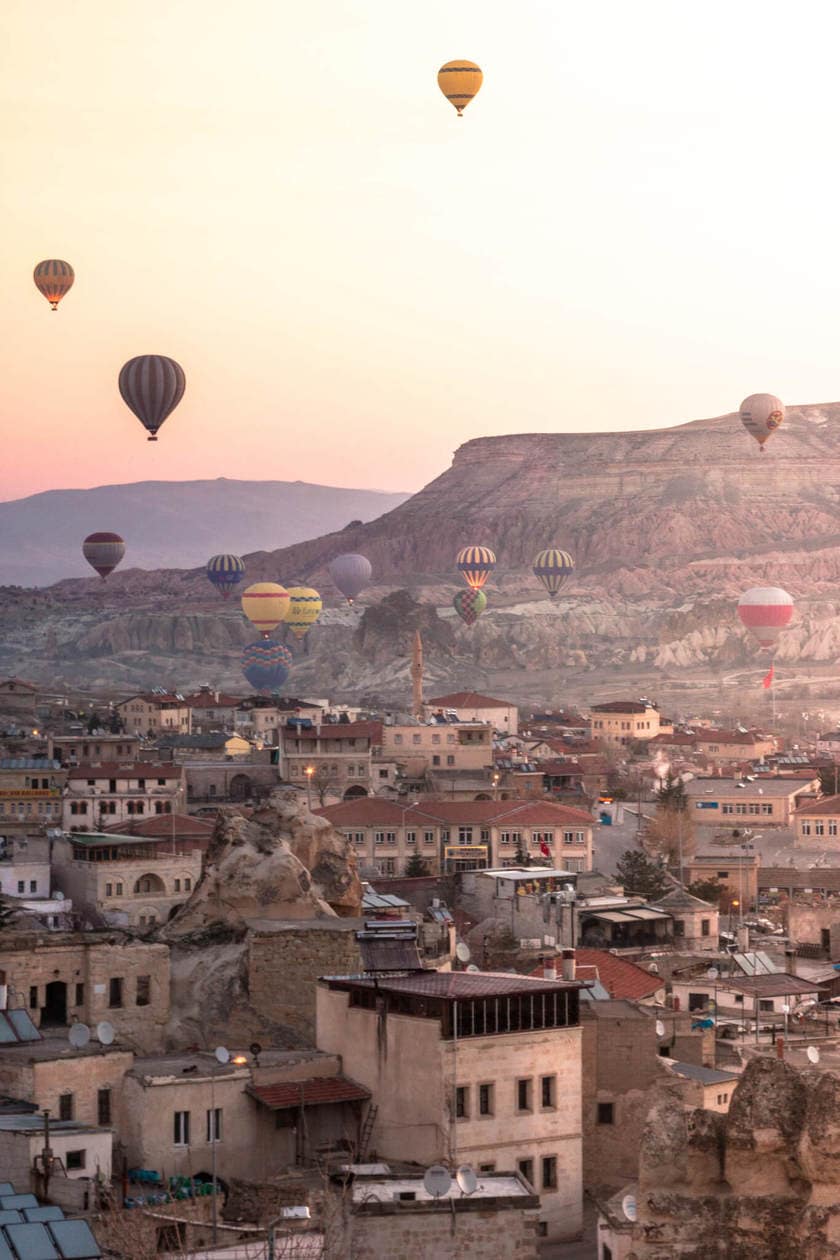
{"x": 367, "y": 1129}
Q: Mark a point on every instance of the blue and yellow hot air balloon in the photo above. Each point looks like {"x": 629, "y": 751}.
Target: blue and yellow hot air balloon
{"x": 553, "y": 567}
{"x": 266, "y": 664}
{"x": 475, "y": 564}
{"x": 304, "y": 610}
{"x": 224, "y": 571}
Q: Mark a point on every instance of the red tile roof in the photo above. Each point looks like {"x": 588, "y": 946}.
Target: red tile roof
{"x": 313, "y": 1092}
{"x": 125, "y": 770}
{"x": 369, "y": 811}
{"x": 339, "y": 730}
{"x": 621, "y": 979}
{"x": 179, "y": 825}
{"x": 203, "y": 700}
{"x": 621, "y": 706}
{"x": 469, "y": 700}
{"x": 828, "y": 805}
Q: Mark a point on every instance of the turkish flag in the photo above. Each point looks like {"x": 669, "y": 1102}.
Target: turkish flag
{"x": 768, "y": 679}
{"x": 544, "y": 849}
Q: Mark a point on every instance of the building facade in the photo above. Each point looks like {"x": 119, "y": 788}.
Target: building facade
{"x": 715, "y": 801}
{"x": 622, "y": 722}
{"x": 155, "y": 713}
{"x": 110, "y": 793}
{"x": 339, "y": 756}
{"x": 30, "y": 794}
{"x": 471, "y": 706}
{"x": 132, "y": 881}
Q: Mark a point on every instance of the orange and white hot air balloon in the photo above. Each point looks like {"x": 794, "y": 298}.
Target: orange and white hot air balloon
{"x": 460, "y": 81}
{"x": 53, "y": 277}
{"x": 761, "y": 416}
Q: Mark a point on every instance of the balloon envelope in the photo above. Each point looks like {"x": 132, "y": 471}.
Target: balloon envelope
{"x": 350, "y": 574}
{"x": 476, "y": 564}
{"x": 765, "y": 611}
{"x": 265, "y": 604}
{"x": 469, "y": 605}
{"x": 304, "y": 609}
{"x": 460, "y": 81}
{"x": 53, "y": 277}
{"x": 761, "y": 415}
{"x": 266, "y": 664}
{"x": 224, "y": 572}
{"x": 152, "y": 385}
{"x": 103, "y": 552}
{"x": 553, "y": 567}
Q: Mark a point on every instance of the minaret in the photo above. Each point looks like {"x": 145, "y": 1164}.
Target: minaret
{"x": 417, "y": 675}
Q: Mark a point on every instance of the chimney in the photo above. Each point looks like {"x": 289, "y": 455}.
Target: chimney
{"x": 790, "y": 961}
{"x": 549, "y": 968}
{"x": 569, "y": 968}
{"x": 744, "y": 939}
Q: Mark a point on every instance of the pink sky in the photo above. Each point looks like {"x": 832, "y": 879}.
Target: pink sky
{"x": 623, "y": 231}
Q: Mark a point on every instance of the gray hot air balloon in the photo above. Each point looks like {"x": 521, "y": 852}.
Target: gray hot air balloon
{"x": 351, "y": 574}
{"x": 152, "y": 386}
{"x": 761, "y": 415}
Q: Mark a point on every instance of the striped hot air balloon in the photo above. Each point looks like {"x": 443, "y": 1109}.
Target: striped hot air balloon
{"x": 266, "y": 664}
{"x": 224, "y": 572}
{"x": 53, "y": 277}
{"x": 265, "y": 604}
{"x": 152, "y": 386}
{"x": 350, "y": 574}
{"x": 761, "y": 415}
{"x": 553, "y": 567}
{"x": 469, "y": 605}
{"x": 103, "y": 552}
{"x": 304, "y": 610}
{"x": 765, "y": 611}
{"x": 460, "y": 81}
{"x": 476, "y": 564}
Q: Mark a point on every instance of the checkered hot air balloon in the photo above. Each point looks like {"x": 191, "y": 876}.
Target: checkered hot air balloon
{"x": 103, "y": 552}
{"x": 225, "y": 571}
{"x": 265, "y": 604}
{"x": 469, "y": 605}
{"x": 553, "y": 567}
{"x": 266, "y": 664}
{"x": 765, "y": 611}
{"x": 53, "y": 277}
{"x": 475, "y": 564}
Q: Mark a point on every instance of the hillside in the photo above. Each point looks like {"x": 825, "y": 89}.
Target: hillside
{"x": 169, "y": 524}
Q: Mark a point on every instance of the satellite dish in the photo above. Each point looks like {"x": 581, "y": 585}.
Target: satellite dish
{"x": 786, "y": 1008}
{"x": 105, "y": 1032}
{"x": 628, "y": 1207}
{"x": 660, "y": 1028}
{"x": 78, "y": 1036}
{"x": 437, "y": 1181}
{"x": 713, "y": 973}
{"x": 813, "y": 1054}
{"x": 466, "y": 1179}
{"x": 222, "y": 1054}
{"x": 653, "y": 969}
{"x": 472, "y": 967}
{"x": 462, "y": 952}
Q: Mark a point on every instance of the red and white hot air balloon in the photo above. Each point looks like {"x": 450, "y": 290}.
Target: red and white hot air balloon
{"x": 765, "y": 611}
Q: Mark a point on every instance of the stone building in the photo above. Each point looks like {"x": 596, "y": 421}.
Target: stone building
{"x": 19, "y": 697}
{"x": 816, "y": 824}
{"x": 110, "y": 793}
{"x": 339, "y": 755}
{"x": 695, "y": 921}
{"x": 132, "y": 881}
{"x": 469, "y": 1068}
{"x": 30, "y": 794}
{"x": 621, "y": 722}
{"x": 74, "y": 1084}
{"x": 471, "y": 706}
{"x": 75, "y": 750}
{"x": 714, "y": 801}
{"x": 155, "y": 713}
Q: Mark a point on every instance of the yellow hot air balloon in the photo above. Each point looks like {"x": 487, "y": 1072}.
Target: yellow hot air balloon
{"x": 265, "y": 604}
{"x": 460, "y": 81}
{"x": 53, "y": 277}
{"x": 304, "y": 610}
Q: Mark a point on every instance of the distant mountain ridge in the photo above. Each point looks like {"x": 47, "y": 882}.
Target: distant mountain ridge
{"x": 172, "y": 524}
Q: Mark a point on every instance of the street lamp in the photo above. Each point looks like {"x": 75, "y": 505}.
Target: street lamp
{"x": 309, "y": 771}
{"x": 222, "y": 1056}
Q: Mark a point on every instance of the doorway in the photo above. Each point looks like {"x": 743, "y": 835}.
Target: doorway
{"x": 54, "y": 1010}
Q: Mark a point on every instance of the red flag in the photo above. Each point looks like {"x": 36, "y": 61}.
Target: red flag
{"x": 544, "y": 849}
{"x": 768, "y": 679}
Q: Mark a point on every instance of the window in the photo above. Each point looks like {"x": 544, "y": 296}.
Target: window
{"x": 485, "y": 1100}
{"x": 187, "y": 884}
{"x": 486, "y": 1168}
{"x": 698, "y": 1001}
{"x": 75, "y": 1160}
{"x": 462, "y": 1102}
{"x": 115, "y": 991}
{"x": 144, "y": 990}
{"x": 181, "y": 1128}
{"x": 605, "y": 1113}
{"x": 722, "y": 1099}
{"x": 103, "y": 1106}
{"x": 679, "y": 927}
{"x": 119, "y": 890}
{"x": 523, "y": 1094}
{"x": 465, "y": 835}
{"x": 33, "y": 885}
{"x": 435, "y": 759}
{"x": 526, "y": 1167}
{"x": 33, "y": 996}
{"x": 765, "y": 1004}
{"x": 548, "y": 1091}
{"x": 109, "y": 890}
{"x": 704, "y": 927}
{"x": 428, "y": 837}
{"x": 379, "y": 837}
{"x": 65, "y": 1106}
{"x": 450, "y": 760}
{"x": 214, "y": 1125}
{"x": 21, "y": 886}
{"x": 177, "y": 885}
{"x": 80, "y": 995}
{"x": 806, "y": 829}
{"x": 549, "y": 1172}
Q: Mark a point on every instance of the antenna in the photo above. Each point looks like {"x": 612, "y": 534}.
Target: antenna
{"x": 472, "y": 967}
{"x": 813, "y": 1055}
{"x": 78, "y": 1036}
{"x": 222, "y": 1054}
{"x": 628, "y": 1207}
{"x": 660, "y": 1028}
{"x": 466, "y": 1179}
{"x": 437, "y": 1181}
{"x": 462, "y": 952}
{"x": 105, "y": 1033}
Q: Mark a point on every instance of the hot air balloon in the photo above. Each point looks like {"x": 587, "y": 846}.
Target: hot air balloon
{"x": 761, "y": 415}
{"x": 304, "y": 609}
{"x": 460, "y": 81}
{"x": 103, "y": 552}
{"x": 224, "y": 572}
{"x": 152, "y": 386}
{"x": 53, "y": 277}
{"x": 266, "y": 664}
{"x": 553, "y": 567}
{"x": 476, "y": 564}
{"x": 350, "y": 574}
{"x": 469, "y": 605}
{"x": 265, "y": 604}
{"x": 765, "y": 611}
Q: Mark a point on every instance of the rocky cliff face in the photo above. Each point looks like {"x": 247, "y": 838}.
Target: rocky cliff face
{"x": 667, "y": 528}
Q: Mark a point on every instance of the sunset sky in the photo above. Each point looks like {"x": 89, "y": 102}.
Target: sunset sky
{"x": 634, "y": 224}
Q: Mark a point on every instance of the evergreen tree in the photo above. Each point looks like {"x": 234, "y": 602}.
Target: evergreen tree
{"x": 639, "y": 875}
{"x": 416, "y": 867}
{"x": 707, "y": 890}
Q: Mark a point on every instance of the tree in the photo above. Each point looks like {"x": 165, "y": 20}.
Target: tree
{"x": 707, "y": 890}
{"x": 521, "y": 855}
{"x": 671, "y": 794}
{"x": 416, "y": 867}
{"x": 671, "y": 830}
{"x": 324, "y": 782}
{"x": 639, "y": 875}
{"x": 830, "y": 780}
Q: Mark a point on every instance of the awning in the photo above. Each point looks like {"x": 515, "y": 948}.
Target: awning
{"x": 645, "y": 913}
{"x": 314, "y": 1092}
{"x": 614, "y": 916}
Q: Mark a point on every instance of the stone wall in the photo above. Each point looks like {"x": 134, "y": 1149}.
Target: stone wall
{"x": 285, "y": 962}
{"x": 806, "y": 923}
{"x": 462, "y": 1229}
